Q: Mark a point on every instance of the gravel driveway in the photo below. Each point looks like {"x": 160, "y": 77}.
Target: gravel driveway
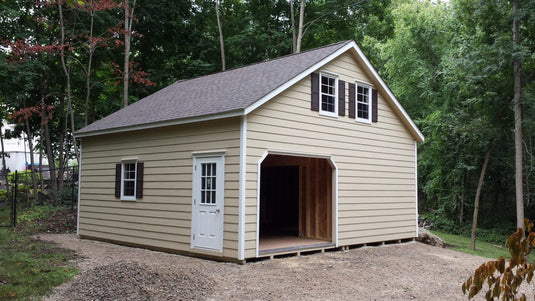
{"x": 393, "y": 272}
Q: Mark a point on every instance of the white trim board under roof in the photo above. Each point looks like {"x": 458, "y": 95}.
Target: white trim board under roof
{"x": 232, "y": 93}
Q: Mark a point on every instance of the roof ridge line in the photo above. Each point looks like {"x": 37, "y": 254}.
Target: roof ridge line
{"x": 262, "y": 62}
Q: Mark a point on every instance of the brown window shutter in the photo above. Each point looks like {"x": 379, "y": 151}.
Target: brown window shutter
{"x": 139, "y": 180}
{"x": 375, "y": 113}
{"x": 315, "y": 93}
{"x": 352, "y": 100}
{"x": 118, "y": 180}
{"x": 341, "y": 98}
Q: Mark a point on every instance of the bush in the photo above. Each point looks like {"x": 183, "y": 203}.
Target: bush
{"x": 496, "y": 235}
{"x": 504, "y": 280}
{"x": 23, "y": 177}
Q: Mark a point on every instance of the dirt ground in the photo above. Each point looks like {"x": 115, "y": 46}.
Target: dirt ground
{"x": 393, "y": 272}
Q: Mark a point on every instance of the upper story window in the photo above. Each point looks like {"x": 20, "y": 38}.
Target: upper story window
{"x": 363, "y": 103}
{"x": 328, "y": 95}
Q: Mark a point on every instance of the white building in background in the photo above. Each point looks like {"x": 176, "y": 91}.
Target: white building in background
{"x": 18, "y": 151}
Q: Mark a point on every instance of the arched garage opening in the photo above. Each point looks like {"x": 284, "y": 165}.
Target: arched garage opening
{"x": 296, "y": 203}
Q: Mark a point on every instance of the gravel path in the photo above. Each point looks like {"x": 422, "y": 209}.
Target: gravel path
{"x": 394, "y": 272}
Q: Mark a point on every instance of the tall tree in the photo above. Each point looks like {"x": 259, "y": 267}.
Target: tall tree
{"x": 517, "y": 69}
{"x": 128, "y": 20}
{"x": 221, "y": 39}
{"x": 300, "y": 26}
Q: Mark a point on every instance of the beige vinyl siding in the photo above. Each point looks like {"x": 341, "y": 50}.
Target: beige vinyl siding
{"x": 376, "y": 163}
{"x": 162, "y": 218}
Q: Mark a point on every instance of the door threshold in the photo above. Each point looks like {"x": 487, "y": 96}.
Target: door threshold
{"x": 297, "y": 248}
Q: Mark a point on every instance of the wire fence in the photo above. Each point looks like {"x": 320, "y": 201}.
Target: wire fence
{"x": 41, "y": 186}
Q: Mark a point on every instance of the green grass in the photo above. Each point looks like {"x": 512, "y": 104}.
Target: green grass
{"x": 29, "y": 268}
{"x": 5, "y": 214}
{"x": 483, "y": 248}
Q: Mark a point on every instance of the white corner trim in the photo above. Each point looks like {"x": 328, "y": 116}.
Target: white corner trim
{"x": 387, "y": 90}
{"x": 242, "y": 186}
{"x": 299, "y": 77}
{"x": 153, "y": 125}
{"x": 335, "y": 209}
{"x": 79, "y": 189}
{"x": 258, "y": 179}
{"x": 416, "y": 182}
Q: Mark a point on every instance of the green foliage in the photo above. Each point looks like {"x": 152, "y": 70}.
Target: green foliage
{"x": 495, "y": 234}
{"x": 504, "y": 280}
{"x": 35, "y": 213}
{"x": 23, "y": 177}
{"x": 3, "y": 195}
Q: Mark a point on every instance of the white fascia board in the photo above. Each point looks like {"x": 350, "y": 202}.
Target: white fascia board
{"x": 299, "y": 77}
{"x": 388, "y": 91}
{"x": 153, "y": 125}
{"x": 351, "y": 45}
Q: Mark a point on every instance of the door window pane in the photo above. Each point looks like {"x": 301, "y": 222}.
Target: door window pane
{"x": 208, "y": 186}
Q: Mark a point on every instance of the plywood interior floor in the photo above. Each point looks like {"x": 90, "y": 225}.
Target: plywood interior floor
{"x": 278, "y": 243}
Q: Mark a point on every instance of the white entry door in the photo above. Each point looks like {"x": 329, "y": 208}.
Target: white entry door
{"x": 208, "y": 202}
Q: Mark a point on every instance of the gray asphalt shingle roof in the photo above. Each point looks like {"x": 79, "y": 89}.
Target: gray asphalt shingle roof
{"x": 217, "y": 93}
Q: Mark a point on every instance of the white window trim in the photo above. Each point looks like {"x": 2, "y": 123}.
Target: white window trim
{"x": 321, "y": 111}
{"x": 369, "y": 87}
{"x": 128, "y": 197}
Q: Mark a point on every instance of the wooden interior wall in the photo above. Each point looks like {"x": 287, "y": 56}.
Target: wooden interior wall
{"x": 315, "y": 194}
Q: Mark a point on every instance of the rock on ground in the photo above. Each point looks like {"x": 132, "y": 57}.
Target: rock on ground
{"x": 426, "y": 237}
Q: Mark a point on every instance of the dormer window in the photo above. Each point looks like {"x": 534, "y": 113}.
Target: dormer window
{"x": 363, "y": 103}
{"x": 328, "y": 95}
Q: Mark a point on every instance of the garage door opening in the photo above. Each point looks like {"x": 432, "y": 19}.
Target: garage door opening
{"x": 296, "y": 203}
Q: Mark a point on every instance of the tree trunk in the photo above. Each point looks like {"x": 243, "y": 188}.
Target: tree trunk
{"x": 50, "y": 154}
{"x": 4, "y": 167}
{"x": 294, "y": 34}
{"x": 517, "y": 68}
{"x": 41, "y": 183}
{"x": 89, "y": 63}
{"x": 300, "y": 32}
{"x": 32, "y": 161}
{"x": 128, "y": 18}
{"x": 68, "y": 78}
{"x": 476, "y": 200}
{"x": 221, "y": 39}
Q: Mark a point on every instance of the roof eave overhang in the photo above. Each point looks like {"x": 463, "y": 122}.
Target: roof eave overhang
{"x": 146, "y": 126}
{"x": 415, "y": 132}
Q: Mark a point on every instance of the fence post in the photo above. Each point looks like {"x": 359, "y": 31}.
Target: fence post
{"x": 72, "y": 189}
{"x": 15, "y": 199}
